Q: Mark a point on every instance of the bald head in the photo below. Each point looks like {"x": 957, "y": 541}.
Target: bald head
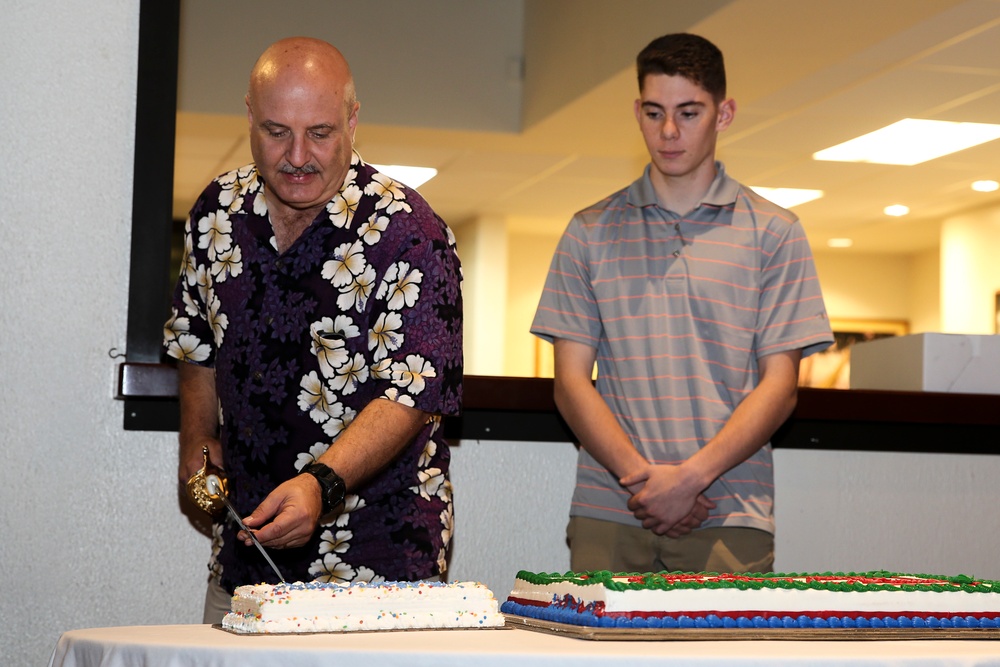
{"x": 303, "y": 61}
{"x": 303, "y": 113}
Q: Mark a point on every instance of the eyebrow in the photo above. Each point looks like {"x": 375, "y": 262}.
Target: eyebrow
{"x": 682, "y": 105}
{"x": 270, "y": 124}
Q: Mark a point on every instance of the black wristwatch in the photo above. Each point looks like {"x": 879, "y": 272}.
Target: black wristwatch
{"x": 332, "y": 487}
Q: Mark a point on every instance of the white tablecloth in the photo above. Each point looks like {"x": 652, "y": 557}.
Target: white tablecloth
{"x": 183, "y": 645}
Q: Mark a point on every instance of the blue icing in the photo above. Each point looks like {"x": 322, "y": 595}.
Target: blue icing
{"x": 572, "y": 615}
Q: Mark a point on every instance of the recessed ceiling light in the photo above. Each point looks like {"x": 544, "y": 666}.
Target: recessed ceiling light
{"x": 896, "y": 210}
{"x": 986, "y": 186}
{"x": 787, "y": 197}
{"x": 412, "y": 176}
{"x": 911, "y": 141}
{"x": 840, "y": 243}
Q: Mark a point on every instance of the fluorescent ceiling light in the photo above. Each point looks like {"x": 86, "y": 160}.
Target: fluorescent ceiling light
{"x": 986, "y": 186}
{"x": 412, "y": 176}
{"x": 840, "y": 243}
{"x": 787, "y": 197}
{"x": 911, "y": 141}
{"x": 896, "y": 210}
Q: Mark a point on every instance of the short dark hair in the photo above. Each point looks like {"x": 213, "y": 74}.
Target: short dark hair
{"x": 693, "y": 57}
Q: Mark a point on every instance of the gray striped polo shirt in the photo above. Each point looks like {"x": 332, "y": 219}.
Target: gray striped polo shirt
{"x": 680, "y": 309}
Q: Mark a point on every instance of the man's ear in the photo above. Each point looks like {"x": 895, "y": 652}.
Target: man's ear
{"x": 246, "y": 99}
{"x": 352, "y": 121}
{"x": 727, "y": 111}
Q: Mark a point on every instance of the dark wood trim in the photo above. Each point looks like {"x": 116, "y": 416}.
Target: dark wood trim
{"x": 508, "y": 408}
{"x": 153, "y": 180}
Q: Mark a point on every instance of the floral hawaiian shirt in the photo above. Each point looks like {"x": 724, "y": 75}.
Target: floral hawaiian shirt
{"x": 365, "y": 305}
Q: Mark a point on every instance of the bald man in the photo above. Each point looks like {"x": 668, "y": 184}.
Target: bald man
{"x": 318, "y": 326}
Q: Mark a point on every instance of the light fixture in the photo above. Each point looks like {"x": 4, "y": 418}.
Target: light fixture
{"x": 840, "y": 243}
{"x": 412, "y": 176}
{"x": 911, "y": 141}
{"x": 986, "y": 186}
{"x": 787, "y": 197}
{"x": 896, "y": 210}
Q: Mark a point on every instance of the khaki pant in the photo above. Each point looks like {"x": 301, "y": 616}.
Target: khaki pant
{"x": 218, "y": 601}
{"x": 606, "y": 545}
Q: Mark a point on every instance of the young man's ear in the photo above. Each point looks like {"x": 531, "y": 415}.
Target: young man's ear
{"x": 727, "y": 111}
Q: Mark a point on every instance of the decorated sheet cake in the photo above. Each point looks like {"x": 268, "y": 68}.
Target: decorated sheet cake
{"x": 326, "y": 607}
{"x": 829, "y": 601}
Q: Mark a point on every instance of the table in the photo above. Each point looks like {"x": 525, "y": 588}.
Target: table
{"x": 183, "y": 645}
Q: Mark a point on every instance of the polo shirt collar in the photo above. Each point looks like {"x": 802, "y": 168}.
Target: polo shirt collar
{"x": 721, "y": 192}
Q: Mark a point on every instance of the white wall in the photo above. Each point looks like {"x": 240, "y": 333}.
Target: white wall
{"x": 482, "y": 248}
{"x": 970, "y": 271}
{"x": 90, "y": 528}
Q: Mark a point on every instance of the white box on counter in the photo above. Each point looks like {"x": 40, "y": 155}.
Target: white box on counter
{"x": 956, "y": 363}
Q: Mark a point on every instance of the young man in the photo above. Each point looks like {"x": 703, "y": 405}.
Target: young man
{"x": 697, "y": 299}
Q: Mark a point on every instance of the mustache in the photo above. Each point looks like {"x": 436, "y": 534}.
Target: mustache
{"x": 296, "y": 171}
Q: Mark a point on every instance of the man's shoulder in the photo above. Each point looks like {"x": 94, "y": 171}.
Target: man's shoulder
{"x": 607, "y": 209}
{"x": 760, "y": 208}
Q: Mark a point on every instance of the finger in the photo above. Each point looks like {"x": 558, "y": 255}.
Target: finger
{"x": 705, "y": 502}
{"x": 635, "y": 478}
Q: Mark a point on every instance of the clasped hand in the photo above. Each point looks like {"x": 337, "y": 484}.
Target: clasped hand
{"x": 666, "y": 500}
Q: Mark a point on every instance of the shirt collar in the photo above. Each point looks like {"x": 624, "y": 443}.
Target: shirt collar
{"x": 722, "y": 192}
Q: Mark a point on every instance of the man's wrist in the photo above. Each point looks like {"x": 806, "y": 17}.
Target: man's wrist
{"x": 332, "y": 488}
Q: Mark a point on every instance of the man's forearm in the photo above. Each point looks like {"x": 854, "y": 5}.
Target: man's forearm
{"x": 754, "y": 420}
{"x": 377, "y": 435}
{"x": 199, "y": 417}
{"x": 595, "y": 426}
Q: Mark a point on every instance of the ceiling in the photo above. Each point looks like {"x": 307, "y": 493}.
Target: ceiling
{"x": 525, "y": 106}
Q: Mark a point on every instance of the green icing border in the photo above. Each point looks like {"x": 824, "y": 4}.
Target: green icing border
{"x": 655, "y": 581}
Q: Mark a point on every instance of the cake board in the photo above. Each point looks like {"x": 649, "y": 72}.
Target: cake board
{"x": 218, "y": 626}
{"x": 748, "y": 634}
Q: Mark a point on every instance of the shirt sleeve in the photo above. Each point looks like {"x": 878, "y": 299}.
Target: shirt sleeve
{"x": 188, "y": 334}
{"x": 567, "y": 308}
{"x": 416, "y": 332}
{"x": 792, "y": 315}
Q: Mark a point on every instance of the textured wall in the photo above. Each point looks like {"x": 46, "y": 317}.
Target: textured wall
{"x": 90, "y": 531}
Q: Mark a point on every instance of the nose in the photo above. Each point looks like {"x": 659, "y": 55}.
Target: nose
{"x": 298, "y": 154}
{"x": 669, "y": 128}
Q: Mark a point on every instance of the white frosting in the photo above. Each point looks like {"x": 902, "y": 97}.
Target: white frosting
{"x": 316, "y": 607}
{"x": 697, "y": 600}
